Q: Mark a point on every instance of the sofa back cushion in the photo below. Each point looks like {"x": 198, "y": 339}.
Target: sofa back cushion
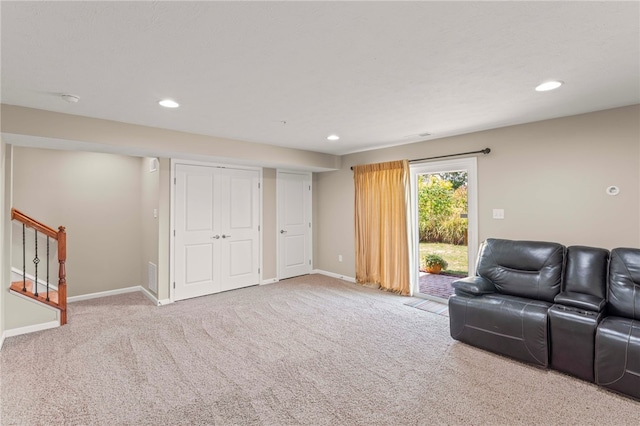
{"x": 586, "y": 271}
{"x": 624, "y": 283}
{"x": 531, "y": 269}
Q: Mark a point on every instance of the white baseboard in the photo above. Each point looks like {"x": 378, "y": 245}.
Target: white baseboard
{"x": 103, "y": 294}
{"x": 153, "y": 298}
{"x": 2, "y": 336}
{"x": 131, "y": 289}
{"x": 149, "y": 295}
{"x": 331, "y": 274}
{"x": 30, "y": 329}
{"x": 269, "y": 281}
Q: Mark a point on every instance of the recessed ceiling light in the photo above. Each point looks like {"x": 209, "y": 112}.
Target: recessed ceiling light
{"x": 168, "y": 103}
{"x": 549, "y": 85}
{"x": 333, "y": 137}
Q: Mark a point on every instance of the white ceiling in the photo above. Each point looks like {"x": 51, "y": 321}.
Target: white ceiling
{"x": 291, "y": 73}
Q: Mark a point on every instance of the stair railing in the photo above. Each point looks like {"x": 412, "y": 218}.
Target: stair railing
{"x": 61, "y": 237}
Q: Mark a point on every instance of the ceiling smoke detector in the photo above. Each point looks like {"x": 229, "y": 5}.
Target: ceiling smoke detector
{"x": 72, "y": 99}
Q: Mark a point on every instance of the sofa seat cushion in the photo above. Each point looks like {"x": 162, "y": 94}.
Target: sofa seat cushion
{"x": 617, "y": 362}
{"x": 508, "y": 325}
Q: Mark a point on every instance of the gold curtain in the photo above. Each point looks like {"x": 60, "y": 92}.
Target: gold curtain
{"x": 382, "y": 252}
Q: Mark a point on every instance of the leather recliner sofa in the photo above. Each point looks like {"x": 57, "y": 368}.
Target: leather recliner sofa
{"x": 574, "y": 309}
{"x": 504, "y": 308}
{"x": 617, "y": 351}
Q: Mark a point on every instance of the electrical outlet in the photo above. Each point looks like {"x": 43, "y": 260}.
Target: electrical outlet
{"x": 339, "y": 258}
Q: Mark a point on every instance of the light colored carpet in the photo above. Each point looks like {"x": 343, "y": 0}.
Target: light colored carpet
{"x": 311, "y": 350}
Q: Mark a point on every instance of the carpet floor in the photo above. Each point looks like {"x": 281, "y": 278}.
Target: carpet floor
{"x": 311, "y": 350}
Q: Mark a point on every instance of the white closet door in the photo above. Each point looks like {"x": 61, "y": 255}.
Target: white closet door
{"x": 294, "y": 221}
{"x": 196, "y": 225}
{"x": 216, "y": 230}
{"x": 239, "y": 227}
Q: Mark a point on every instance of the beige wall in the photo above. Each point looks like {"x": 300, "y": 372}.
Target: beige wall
{"x": 549, "y": 177}
{"x": 164, "y": 228}
{"x": 16, "y": 311}
{"x": 149, "y": 225}
{"x": 5, "y": 191}
{"x": 97, "y": 197}
{"x": 90, "y": 134}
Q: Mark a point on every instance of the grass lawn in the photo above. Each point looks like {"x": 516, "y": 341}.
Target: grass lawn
{"x": 456, "y": 256}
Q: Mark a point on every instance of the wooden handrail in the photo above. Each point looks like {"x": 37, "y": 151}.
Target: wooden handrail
{"x": 61, "y": 236}
{"x": 32, "y": 223}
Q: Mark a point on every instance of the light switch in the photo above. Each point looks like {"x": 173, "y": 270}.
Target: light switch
{"x": 498, "y": 213}
{"x": 155, "y": 213}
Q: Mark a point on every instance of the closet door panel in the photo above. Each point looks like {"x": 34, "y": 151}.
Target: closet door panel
{"x": 196, "y": 225}
{"x": 240, "y": 221}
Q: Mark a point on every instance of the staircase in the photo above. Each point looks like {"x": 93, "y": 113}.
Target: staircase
{"x": 26, "y": 287}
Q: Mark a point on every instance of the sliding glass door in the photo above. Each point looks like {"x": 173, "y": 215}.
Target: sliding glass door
{"x": 444, "y": 231}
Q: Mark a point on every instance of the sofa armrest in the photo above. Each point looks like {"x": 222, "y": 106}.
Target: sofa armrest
{"x": 475, "y": 286}
{"x": 580, "y": 301}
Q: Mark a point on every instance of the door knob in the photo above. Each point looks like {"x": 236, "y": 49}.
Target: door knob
{"x": 215, "y": 237}
{"x": 282, "y": 231}
{"x": 226, "y": 236}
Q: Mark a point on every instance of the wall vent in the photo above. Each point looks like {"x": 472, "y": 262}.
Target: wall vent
{"x": 153, "y": 277}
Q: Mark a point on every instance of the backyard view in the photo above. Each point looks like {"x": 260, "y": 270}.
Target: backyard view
{"x": 455, "y": 255}
{"x": 442, "y": 226}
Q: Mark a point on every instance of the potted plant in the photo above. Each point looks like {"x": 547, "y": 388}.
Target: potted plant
{"x": 434, "y": 263}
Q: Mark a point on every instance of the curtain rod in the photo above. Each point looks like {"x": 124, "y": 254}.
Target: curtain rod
{"x": 482, "y": 151}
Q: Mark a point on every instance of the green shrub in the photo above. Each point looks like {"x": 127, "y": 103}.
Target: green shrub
{"x": 440, "y": 204}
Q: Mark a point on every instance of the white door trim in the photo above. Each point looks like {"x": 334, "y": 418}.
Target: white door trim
{"x": 308, "y": 209}
{"x": 470, "y": 164}
{"x": 172, "y": 194}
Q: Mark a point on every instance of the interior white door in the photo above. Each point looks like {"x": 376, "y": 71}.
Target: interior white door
{"x": 197, "y": 236}
{"x": 294, "y": 223}
{"x": 240, "y": 261}
{"x": 216, "y": 230}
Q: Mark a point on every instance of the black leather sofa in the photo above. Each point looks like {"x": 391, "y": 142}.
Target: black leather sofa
{"x": 574, "y": 309}
{"x": 617, "y": 351}
{"x": 578, "y": 310}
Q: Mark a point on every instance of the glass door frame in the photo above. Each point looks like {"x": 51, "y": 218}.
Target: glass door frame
{"x": 470, "y": 164}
